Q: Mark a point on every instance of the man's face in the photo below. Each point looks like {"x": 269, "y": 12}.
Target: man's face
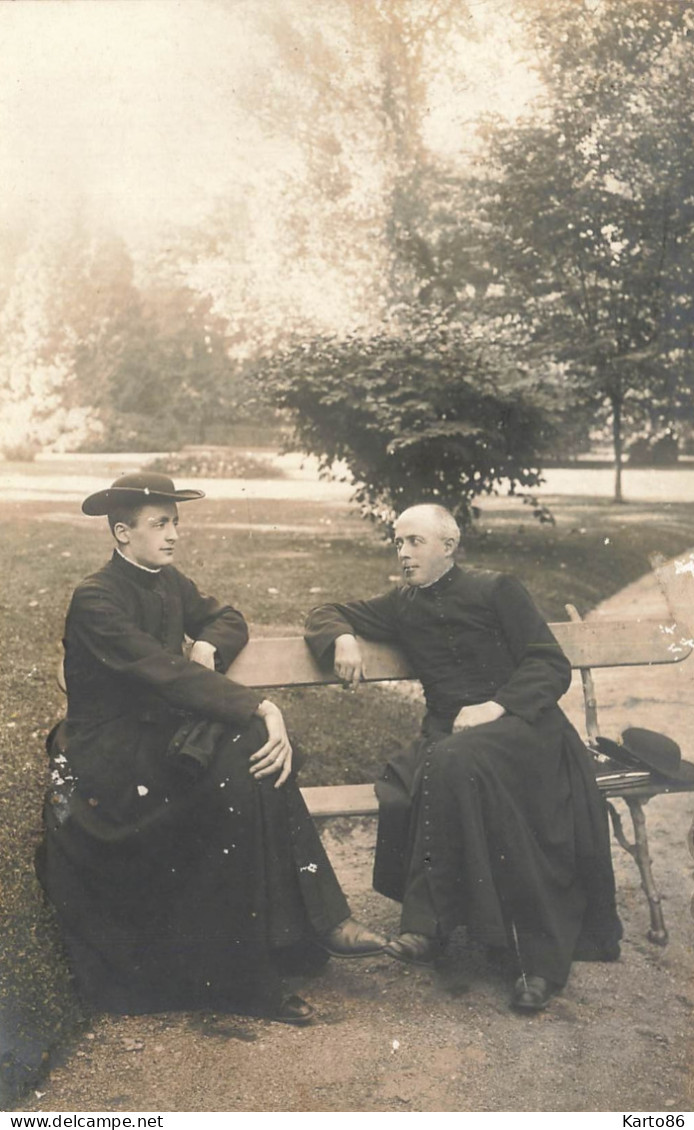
{"x": 423, "y": 554}
{"x": 151, "y": 541}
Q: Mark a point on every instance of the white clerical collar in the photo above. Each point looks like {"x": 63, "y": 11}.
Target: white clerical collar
{"x": 137, "y": 565}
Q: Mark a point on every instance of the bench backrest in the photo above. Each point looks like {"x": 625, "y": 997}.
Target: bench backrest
{"x": 287, "y": 662}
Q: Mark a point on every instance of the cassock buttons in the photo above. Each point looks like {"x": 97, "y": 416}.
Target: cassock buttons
{"x": 426, "y": 859}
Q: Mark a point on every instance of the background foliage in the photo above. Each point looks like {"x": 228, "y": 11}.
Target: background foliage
{"x": 494, "y": 294}
{"x": 424, "y": 414}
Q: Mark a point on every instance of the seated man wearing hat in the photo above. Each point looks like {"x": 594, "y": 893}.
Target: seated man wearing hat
{"x": 492, "y": 819}
{"x": 178, "y": 853}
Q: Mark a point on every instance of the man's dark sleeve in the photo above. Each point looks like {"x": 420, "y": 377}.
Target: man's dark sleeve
{"x": 204, "y": 618}
{"x": 543, "y": 673}
{"x": 103, "y": 625}
{"x": 374, "y": 619}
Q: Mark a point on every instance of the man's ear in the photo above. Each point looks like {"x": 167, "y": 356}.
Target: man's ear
{"x": 449, "y": 545}
{"x": 121, "y": 532}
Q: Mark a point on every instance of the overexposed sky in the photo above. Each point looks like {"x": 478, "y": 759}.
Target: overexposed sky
{"x": 128, "y": 104}
{"x": 135, "y": 107}
{"x": 120, "y": 102}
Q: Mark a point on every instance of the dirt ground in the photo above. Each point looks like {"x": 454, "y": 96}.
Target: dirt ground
{"x": 389, "y": 1038}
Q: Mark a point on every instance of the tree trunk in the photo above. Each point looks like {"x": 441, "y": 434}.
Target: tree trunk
{"x": 617, "y": 443}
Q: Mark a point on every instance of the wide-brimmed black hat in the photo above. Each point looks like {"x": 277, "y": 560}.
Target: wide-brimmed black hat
{"x": 647, "y": 749}
{"x": 143, "y": 487}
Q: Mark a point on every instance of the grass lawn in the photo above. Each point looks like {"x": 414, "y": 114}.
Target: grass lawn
{"x": 274, "y": 577}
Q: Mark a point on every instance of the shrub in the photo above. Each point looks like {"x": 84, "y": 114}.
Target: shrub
{"x": 216, "y": 464}
{"x": 23, "y": 452}
{"x": 649, "y": 452}
{"x": 422, "y": 416}
{"x": 130, "y": 431}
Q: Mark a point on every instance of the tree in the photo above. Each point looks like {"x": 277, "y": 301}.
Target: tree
{"x": 421, "y": 415}
{"x": 39, "y": 391}
{"x": 87, "y": 358}
{"x": 178, "y": 366}
{"x": 415, "y": 404}
{"x": 345, "y": 99}
{"x": 590, "y": 207}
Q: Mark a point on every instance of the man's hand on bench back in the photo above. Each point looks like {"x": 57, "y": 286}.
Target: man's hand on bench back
{"x": 349, "y": 661}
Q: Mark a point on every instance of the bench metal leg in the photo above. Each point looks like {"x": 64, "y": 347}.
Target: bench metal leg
{"x": 639, "y": 851}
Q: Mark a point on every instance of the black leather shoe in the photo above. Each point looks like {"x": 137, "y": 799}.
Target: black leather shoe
{"x": 351, "y": 939}
{"x": 415, "y": 949}
{"x": 293, "y": 1010}
{"x": 532, "y": 993}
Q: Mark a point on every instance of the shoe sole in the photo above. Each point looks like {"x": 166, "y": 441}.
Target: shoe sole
{"x": 519, "y": 1007}
{"x": 299, "y": 1022}
{"x": 404, "y": 960}
{"x": 362, "y": 953}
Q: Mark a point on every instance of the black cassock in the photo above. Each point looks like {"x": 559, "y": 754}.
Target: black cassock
{"x": 179, "y": 880}
{"x": 500, "y": 827}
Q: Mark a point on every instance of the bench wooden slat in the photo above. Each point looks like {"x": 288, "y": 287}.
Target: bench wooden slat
{"x": 618, "y": 643}
{"x": 289, "y": 662}
{"x": 361, "y": 800}
{"x": 341, "y": 800}
{"x": 623, "y": 643}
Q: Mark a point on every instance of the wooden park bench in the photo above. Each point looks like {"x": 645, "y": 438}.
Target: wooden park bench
{"x": 287, "y": 662}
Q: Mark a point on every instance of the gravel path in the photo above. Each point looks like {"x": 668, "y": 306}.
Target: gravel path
{"x": 619, "y": 1038}
{"x": 68, "y": 478}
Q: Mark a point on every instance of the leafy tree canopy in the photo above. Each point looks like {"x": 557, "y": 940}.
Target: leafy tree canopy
{"x": 424, "y": 415}
{"x": 590, "y": 205}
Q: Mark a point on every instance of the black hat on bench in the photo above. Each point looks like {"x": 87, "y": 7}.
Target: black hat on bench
{"x": 647, "y": 749}
{"x": 141, "y": 487}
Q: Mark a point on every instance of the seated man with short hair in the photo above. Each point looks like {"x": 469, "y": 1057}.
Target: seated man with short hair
{"x": 183, "y": 865}
{"x": 492, "y": 819}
